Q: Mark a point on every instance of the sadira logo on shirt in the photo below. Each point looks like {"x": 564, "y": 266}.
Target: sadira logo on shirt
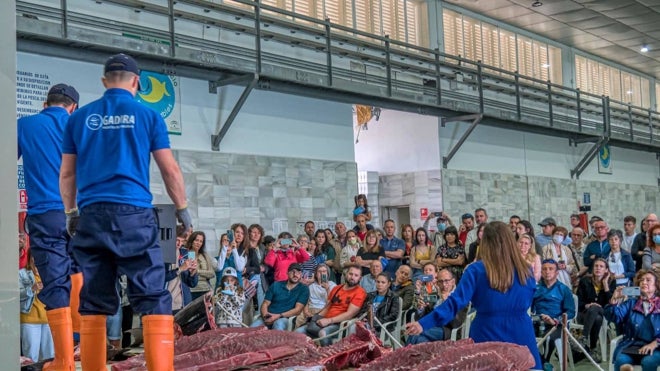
{"x": 96, "y": 121}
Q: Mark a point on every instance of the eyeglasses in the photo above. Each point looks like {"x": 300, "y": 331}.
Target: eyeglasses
{"x": 576, "y": 234}
{"x": 600, "y": 227}
{"x": 445, "y": 281}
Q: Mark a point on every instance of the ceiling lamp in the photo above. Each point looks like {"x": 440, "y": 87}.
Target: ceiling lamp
{"x": 536, "y": 4}
{"x": 644, "y": 48}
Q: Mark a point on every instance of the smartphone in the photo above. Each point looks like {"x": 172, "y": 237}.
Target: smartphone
{"x": 230, "y": 235}
{"x": 324, "y": 278}
{"x": 285, "y": 241}
{"x": 438, "y": 214}
{"x": 426, "y": 278}
{"x": 191, "y": 255}
{"x": 631, "y": 291}
{"x": 431, "y": 299}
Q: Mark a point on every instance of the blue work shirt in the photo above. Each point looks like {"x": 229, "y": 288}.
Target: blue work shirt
{"x": 113, "y": 138}
{"x": 282, "y": 300}
{"x": 393, "y": 244}
{"x": 40, "y": 145}
{"x": 553, "y": 301}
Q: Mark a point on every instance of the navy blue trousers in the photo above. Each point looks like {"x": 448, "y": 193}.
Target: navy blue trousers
{"x": 49, "y": 248}
{"x": 114, "y": 239}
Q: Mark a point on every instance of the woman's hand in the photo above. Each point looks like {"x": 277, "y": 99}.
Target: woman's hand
{"x": 617, "y": 296}
{"x": 414, "y": 328}
{"x": 648, "y": 348}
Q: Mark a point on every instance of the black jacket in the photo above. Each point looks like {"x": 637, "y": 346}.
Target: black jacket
{"x": 387, "y": 311}
{"x": 586, "y": 293}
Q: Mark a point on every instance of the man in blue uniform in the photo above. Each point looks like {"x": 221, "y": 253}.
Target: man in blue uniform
{"x": 39, "y": 143}
{"x": 106, "y": 154}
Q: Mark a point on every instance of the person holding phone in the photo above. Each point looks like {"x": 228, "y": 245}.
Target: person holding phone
{"x": 318, "y": 294}
{"x": 640, "y": 320}
{"x": 286, "y": 252}
{"x": 594, "y": 293}
{"x": 206, "y": 265}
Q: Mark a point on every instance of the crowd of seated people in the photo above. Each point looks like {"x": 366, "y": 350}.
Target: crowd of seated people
{"x": 324, "y": 277}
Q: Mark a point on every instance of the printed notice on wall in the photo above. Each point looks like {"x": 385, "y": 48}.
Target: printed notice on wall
{"x": 31, "y": 90}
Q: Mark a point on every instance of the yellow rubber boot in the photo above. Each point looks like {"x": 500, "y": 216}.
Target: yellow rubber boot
{"x": 92, "y": 343}
{"x": 74, "y": 300}
{"x": 158, "y": 342}
{"x": 59, "y": 321}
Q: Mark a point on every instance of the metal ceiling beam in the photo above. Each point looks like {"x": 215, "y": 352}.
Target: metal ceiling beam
{"x": 476, "y": 118}
{"x": 584, "y": 162}
{"x": 251, "y": 79}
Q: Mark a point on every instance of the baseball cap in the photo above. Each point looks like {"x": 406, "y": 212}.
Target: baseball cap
{"x": 295, "y": 266}
{"x": 547, "y": 221}
{"x": 66, "y": 90}
{"x": 121, "y": 62}
{"x": 229, "y": 271}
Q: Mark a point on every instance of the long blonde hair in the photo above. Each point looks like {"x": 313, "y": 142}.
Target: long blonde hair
{"x": 531, "y": 254}
{"x": 501, "y": 257}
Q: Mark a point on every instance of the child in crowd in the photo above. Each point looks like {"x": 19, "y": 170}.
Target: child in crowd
{"x": 361, "y": 207}
{"x": 229, "y": 300}
{"x": 36, "y": 338}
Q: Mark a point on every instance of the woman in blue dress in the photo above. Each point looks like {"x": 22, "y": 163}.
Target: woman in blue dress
{"x": 500, "y": 286}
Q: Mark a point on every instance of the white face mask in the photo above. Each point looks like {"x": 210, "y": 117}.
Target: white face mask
{"x": 558, "y": 238}
{"x": 352, "y": 240}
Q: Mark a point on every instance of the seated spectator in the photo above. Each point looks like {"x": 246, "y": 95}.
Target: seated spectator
{"x": 284, "y": 299}
{"x": 403, "y": 286}
{"x": 408, "y": 237}
{"x": 286, "y": 252}
{"x": 526, "y": 245}
{"x": 350, "y": 251}
{"x": 640, "y": 320}
{"x": 578, "y": 247}
{"x": 599, "y": 247}
{"x": 525, "y": 227}
{"x": 368, "y": 282}
{"x": 451, "y": 255}
{"x": 562, "y": 254}
{"x": 643, "y": 240}
{"x": 370, "y": 251}
{"x": 427, "y": 291}
{"x": 594, "y": 293}
{"x": 229, "y": 300}
{"x": 344, "y": 304}
{"x": 319, "y": 290}
{"x": 551, "y": 299}
{"x": 325, "y": 252}
{"x": 446, "y": 285}
{"x": 620, "y": 261}
{"x": 422, "y": 252}
{"x": 309, "y": 265}
{"x": 651, "y": 257}
{"x": 383, "y": 303}
{"x": 36, "y": 338}
{"x": 473, "y": 249}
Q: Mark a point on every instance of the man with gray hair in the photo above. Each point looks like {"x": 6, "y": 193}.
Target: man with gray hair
{"x": 639, "y": 244}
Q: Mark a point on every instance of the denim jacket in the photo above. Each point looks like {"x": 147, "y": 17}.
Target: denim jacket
{"x": 25, "y": 282}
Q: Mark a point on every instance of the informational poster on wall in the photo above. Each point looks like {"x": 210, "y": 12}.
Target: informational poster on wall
{"x": 161, "y": 93}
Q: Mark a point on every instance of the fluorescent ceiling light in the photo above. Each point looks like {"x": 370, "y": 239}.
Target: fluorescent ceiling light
{"x": 644, "y": 48}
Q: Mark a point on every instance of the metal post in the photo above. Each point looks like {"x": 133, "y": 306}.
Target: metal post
{"x": 518, "y": 108}
{"x": 630, "y": 122}
{"x": 650, "y": 126}
{"x": 480, "y": 87}
{"x": 552, "y": 119}
{"x": 438, "y": 89}
{"x": 564, "y": 342}
{"x": 65, "y": 14}
{"x": 606, "y": 116}
{"x": 257, "y": 28}
{"x": 388, "y": 65}
{"x": 328, "y": 47}
{"x": 579, "y": 110}
{"x": 170, "y": 6}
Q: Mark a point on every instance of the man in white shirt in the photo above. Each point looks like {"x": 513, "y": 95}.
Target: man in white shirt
{"x": 629, "y": 223}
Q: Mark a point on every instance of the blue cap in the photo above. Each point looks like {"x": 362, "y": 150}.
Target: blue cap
{"x": 66, "y": 90}
{"x": 121, "y": 62}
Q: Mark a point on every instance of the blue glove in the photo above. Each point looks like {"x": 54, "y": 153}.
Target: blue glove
{"x": 184, "y": 217}
{"x": 72, "y": 219}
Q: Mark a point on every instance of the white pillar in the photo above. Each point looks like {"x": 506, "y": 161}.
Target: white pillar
{"x": 9, "y": 318}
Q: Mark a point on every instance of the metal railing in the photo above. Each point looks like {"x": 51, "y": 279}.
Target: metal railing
{"x": 242, "y": 36}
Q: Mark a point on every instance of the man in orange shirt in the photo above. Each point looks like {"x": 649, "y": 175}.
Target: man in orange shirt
{"x": 344, "y": 303}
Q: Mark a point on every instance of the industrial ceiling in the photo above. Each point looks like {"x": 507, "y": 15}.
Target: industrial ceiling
{"x": 612, "y": 29}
